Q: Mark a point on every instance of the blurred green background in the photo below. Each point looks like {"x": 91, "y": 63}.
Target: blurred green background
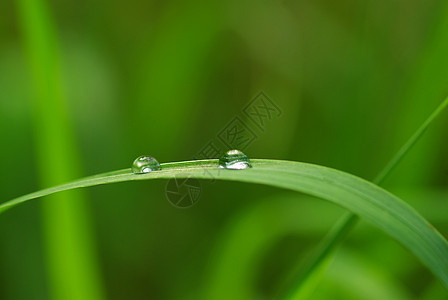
{"x": 87, "y": 86}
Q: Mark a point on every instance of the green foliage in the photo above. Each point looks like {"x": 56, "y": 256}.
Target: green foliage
{"x": 87, "y": 86}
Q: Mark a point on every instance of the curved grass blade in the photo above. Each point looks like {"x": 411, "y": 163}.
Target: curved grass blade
{"x": 349, "y": 220}
{"x": 372, "y": 203}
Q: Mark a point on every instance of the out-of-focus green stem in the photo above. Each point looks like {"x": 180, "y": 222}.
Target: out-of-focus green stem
{"x": 349, "y": 220}
{"x": 72, "y": 267}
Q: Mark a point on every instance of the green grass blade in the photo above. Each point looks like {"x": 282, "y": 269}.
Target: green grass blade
{"x": 427, "y": 84}
{"x": 349, "y": 220}
{"x": 372, "y": 203}
{"x": 411, "y": 142}
{"x": 71, "y": 264}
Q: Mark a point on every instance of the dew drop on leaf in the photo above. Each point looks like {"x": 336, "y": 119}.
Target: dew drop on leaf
{"x": 145, "y": 164}
{"x": 235, "y": 160}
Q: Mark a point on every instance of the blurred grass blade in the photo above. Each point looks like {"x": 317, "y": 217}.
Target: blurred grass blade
{"x": 426, "y": 85}
{"x": 234, "y": 266}
{"x": 71, "y": 264}
{"x": 370, "y": 202}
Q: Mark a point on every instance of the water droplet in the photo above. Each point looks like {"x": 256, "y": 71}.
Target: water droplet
{"x": 145, "y": 164}
{"x": 235, "y": 160}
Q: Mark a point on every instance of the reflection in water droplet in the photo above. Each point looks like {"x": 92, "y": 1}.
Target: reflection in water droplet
{"x": 235, "y": 160}
{"x": 145, "y": 164}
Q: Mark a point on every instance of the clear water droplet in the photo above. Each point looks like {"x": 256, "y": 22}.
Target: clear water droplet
{"x": 145, "y": 164}
{"x": 235, "y": 160}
